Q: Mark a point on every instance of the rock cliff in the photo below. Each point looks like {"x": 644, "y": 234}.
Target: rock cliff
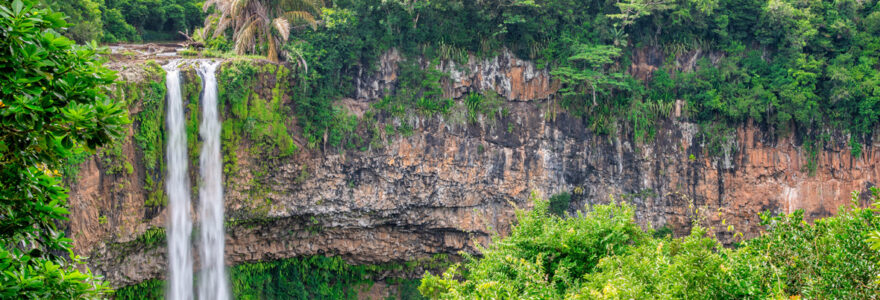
{"x": 449, "y": 185}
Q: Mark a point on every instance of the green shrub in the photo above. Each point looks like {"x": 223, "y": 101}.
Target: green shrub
{"x": 559, "y": 203}
{"x": 154, "y": 236}
{"x": 543, "y": 257}
{"x": 149, "y": 289}
{"x": 605, "y": 255}
{"x": 54, "y": 104}
{"x": 313, "y": 277}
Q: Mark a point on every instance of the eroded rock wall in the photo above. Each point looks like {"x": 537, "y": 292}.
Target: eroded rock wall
{"x": 450, "y": 184}
{"x": 512, "y": 78}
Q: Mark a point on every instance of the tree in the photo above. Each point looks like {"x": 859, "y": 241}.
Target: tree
{"x": 587, "y": 71}
{"x": 261, "y": 22}
{"x": 53, "y": 104}
{"x": 84, "y": 17}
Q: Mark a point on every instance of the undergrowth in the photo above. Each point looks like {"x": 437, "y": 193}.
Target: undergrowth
{"x": 311, "y": 277}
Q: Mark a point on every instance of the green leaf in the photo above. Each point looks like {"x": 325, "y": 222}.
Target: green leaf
{"x": 17, "y": 5}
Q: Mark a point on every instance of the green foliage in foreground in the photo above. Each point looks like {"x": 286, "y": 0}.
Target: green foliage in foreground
{"x": 603, "y": 254}
{"x": 315, "y": 277}
{"x": 53, "y": 106}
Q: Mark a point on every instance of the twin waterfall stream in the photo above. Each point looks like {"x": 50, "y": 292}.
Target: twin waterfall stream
{"x": 212, "y": 279}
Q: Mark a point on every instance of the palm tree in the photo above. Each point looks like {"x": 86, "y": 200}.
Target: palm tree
{"x": 256, "y": 22}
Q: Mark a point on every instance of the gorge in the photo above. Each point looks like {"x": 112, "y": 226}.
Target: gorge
{"x": 450, "y": 183}
{"x": 410, "y": 149}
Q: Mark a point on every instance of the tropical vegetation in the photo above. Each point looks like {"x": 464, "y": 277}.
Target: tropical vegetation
{"x": 312, "y": 277}
{"x": 806, "y": 68}
{"x": 128, "y": 20}
{"x": 259, "y": 23}
{"x": 604, "y": 254}
{"x": 53, "y": 105}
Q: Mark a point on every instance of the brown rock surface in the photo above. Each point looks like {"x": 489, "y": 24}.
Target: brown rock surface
{"x": 509, "y": 76}
{"x": 436, "y": 190}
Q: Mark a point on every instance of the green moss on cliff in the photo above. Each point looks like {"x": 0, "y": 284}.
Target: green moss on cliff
{"x": 192, "y": 88}
{"x": 149, "y": 133}
{"x": 147, "y": 126}
{"x": 252, "y": 114}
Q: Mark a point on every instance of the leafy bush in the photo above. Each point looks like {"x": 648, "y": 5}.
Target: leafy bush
{"x": 605, "y": 255}
{"x": 313, "y": 277}
{"x": 544, "y": 256}
{"x": 53, "y": 106}
{"x": 150, "y": 289}
{"x": 84, "y": 17}
{"x": 559, "y": 203}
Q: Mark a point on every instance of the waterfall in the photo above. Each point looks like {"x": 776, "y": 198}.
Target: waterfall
{"x": 180, "y": 265}
{"x": 212, "y": 281}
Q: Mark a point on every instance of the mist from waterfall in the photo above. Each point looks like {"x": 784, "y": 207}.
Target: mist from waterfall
{"x": 179, "y": 230}
{"x": 212, "y": 280}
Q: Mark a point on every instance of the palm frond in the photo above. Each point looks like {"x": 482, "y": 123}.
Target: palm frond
{"x": 260, "y": 10}
{"x": 261, "y": 21}
{"x": 283, "y": 28}
{"x": 272, "y": 48}
{"x": 311, "y": 6}
{"x": 201, "y": 34}
{"x": 300, "y": 16}
{"x": 296, "y": 52}
{"x": 222, "y": 24}
{"x": 244, "y": 38}
{"x": 237, "y": 7}
{"x": 218, "y": 3}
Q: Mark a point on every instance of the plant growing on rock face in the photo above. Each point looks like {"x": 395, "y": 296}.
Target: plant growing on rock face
{"x": 258, "y": 23}
{"x": 588, "y": 72}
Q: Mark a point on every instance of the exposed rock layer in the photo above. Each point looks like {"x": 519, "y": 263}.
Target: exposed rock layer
{"x": 436, "y": 190}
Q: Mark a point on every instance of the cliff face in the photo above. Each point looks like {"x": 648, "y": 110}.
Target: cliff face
{"x": 447, "y": 184}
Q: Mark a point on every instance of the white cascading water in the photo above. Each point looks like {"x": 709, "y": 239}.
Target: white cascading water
{"x": 212, "y": 281}
{"x": 180, "y": 262}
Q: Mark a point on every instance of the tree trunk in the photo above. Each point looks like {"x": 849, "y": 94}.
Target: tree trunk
{"x": 273, "y": 51}
{"x": 593, "y": 88}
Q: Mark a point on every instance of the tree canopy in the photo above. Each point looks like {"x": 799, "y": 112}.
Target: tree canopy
{"x": 604, "y": 254}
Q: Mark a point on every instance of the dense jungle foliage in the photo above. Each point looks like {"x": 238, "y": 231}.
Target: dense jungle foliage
{"x": 128, "y": 20}
{"x": 604, "y": 254}
{"x": 804, "y": 67}
{"x": 809, "y": 68}
{"x": 53, "y": 106}
{"x": 314, "y": 277}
